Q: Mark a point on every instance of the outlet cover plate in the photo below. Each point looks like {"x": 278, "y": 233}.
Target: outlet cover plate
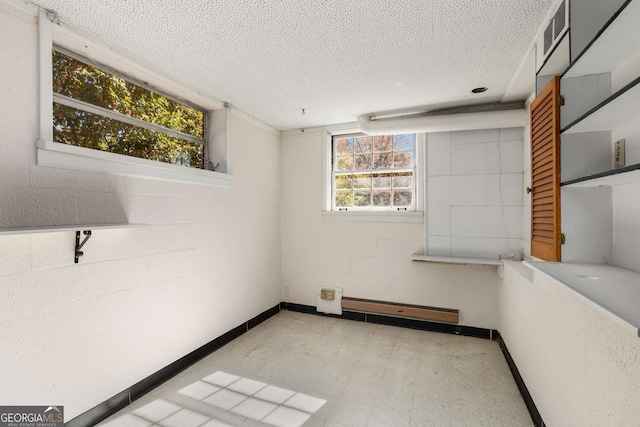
{"x": 618, "y": 154}
{"x": 329, "y": 306}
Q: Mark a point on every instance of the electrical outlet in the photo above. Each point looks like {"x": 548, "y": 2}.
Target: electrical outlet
{"x": 327, "y": 294}
{"x": 618, "y": 154}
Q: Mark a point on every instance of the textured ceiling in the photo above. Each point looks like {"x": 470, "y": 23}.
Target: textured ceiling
{"x": 337, "y": 59}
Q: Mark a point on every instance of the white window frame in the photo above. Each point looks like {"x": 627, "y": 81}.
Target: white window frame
{"x": 58, "y": 155}
{"x": 371, "y": 215}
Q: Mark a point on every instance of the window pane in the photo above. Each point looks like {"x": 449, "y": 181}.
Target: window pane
{"x": 76, "y": 127}
{"x": 344, "y": 163}
{"x": 382, "y": 198}
{"x": 344, "y": 199}
{"x": 362, "y": 181}
{"x": 382, "y": 143}
{"x": 343, "y": 181}
{"x": 403, "y": 159}
{"x": 402, "y": 197}
{"x": 371, "y": 177}
{"x": 363, "y": 161}
{"x": 382, "y": 181}
{"x": 344, "y": 146}
{"x": 383, "y": 160}
{"x": 362, "y": 198}
{"x": 403, "y": 180}
{"x": 84, "y": 82}
{"x": 363, "y": 144}
{"x": 403, "y": 142}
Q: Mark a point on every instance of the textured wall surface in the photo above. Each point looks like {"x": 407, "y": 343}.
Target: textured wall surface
{"x": 475, "y": 193}
{"x": 367, "y": 259}
{"x": 580, "y": 367}
{"x": 140, "y": 298}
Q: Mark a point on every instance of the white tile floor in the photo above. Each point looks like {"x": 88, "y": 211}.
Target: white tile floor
{"x": 305, "y": 370}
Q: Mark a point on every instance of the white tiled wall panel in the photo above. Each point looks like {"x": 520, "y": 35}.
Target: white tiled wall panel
{"x": 485, "y": 200}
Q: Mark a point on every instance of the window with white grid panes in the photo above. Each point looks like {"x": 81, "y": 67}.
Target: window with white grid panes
{"x": 373, "y": 172}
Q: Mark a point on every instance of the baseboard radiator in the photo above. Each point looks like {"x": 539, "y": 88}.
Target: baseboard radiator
{"x": 409, "y": 311}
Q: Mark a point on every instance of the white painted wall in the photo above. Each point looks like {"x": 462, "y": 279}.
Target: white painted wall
{"x": 475, "y": 194}
{"x": 626, "y": 226}
{"x": 140, "y": 298}
{"x": 368, "y": 259}
{"x": 580, "y": 367}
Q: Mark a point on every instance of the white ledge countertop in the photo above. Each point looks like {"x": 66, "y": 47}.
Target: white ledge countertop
{"x": 456, "y": 260}
{"x": 612, "y": 290}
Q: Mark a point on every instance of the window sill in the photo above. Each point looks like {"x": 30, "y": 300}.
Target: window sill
{"x": 57, "y": 155}
{"x": 361, "y": 216}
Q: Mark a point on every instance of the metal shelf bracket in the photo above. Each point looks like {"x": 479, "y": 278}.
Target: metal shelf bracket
{"x": 79, "y": 244}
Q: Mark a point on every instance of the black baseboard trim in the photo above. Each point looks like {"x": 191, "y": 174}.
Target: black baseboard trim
{"x": 423, "y": 325}
{"x": 524, "y": 391}
{"x": 109, "y": 407}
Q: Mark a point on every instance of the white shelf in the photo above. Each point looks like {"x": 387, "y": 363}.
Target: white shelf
{"x": 83, "y": 232}
{"x": 612, "y": 47}
{"x": 624, "y": 175}
{"x": 612, "y": 290}
{"x": 57, "y": 228}
{"x": 617, "y": 110}
{"x": 456, "y": 260}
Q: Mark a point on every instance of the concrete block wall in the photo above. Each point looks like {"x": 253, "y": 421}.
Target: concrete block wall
{"x": 579, "y": 365}
{"x": 206, "y": 260}
{"x": 368, "y": 259}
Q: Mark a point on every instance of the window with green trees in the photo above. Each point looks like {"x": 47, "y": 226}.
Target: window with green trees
{"x": 373, "y": 172}
{"x": 99, "y": 109}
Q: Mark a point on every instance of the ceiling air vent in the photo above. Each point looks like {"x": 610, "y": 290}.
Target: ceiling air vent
{"x": 548, "y": 37}
{"x": 556, "y": 26}
{"x": 559, "y": 20}
{"x": 553, "y": 34}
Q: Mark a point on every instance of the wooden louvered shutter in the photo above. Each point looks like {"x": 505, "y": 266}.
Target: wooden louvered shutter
{"x": 545, "y": 173}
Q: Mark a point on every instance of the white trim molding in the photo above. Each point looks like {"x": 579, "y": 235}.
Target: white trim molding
{"x": 63, "y": 156}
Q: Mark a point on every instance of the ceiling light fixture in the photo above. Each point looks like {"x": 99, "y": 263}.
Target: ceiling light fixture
{"x": 479, "y": 89}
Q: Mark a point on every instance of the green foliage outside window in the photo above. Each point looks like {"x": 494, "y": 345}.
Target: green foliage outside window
{"x": 74, "y": 126}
